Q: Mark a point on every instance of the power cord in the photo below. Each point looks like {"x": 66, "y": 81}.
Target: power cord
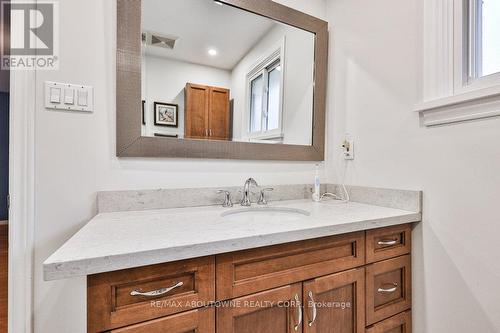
{"x": 343, "y": 199}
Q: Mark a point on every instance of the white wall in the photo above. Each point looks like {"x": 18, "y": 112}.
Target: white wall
{"x": 374, "y": 82}
{"x": 297, "y": 83}
{"x": 165, "y": 80}
{"x": 75, "y": 156}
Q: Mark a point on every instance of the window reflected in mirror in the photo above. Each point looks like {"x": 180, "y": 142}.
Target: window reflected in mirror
{"x": 215, "y": 72}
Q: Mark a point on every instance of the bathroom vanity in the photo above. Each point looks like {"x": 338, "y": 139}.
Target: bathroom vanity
{"x": 185, "y": 260}
{"x": 332, "y": 284}
{"x": 342, "y": 267}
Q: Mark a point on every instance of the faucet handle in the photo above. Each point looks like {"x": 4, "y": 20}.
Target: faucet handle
{"x": 227, "y": 198}
{"x": 262, "y": 199}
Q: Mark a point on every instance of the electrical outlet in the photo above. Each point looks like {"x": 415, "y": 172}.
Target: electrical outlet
{"x": 348, "y": 148}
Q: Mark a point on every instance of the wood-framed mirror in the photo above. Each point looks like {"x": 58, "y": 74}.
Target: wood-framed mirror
{"x": 225, "y": 79}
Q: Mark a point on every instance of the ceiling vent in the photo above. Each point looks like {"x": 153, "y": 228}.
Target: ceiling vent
{"x": 158, "y": 40}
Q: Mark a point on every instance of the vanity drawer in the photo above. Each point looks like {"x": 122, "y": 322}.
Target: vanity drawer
{"x": 131, "y": 296}
{"x": 245, "y": 272}
{"x": 199, "y": 321}
{"x": 390, "y": 242}
{"x": 400, "y": 323}
{"x": 388, "y": 288}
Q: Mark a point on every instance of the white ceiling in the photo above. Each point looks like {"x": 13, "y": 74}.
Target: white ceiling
{"x": 200, "y": 26}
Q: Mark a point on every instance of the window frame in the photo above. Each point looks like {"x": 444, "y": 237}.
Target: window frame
{"x": 272, "y": 59}
{"x": 448, "y": 94}
{"x": 468, "y": 40}
{"x": 251, "y": 101}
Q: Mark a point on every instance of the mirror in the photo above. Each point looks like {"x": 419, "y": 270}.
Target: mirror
{"x": 214, "y": 72}
{"x": 234, "y": 79}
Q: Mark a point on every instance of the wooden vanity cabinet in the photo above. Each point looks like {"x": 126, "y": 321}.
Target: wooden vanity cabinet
{"x": 207, "y": 112}
{"x": 322, "y": 285}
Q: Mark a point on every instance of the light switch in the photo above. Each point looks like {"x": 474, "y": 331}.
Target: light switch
{"x": 69, "y": 96}
{"x": 82, "y": 98}
{"x": 55, "y": 95}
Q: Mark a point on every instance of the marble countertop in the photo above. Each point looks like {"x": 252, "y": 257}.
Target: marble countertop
{"x": 113, "y": 241}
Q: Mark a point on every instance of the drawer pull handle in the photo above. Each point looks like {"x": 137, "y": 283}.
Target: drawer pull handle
{"x": 314, "y": 311}
{"x": 387, "y": 242}
{"x": 158, "y": 292}
{"x": 389, "y": 290}
{"x": 299, "y": 313}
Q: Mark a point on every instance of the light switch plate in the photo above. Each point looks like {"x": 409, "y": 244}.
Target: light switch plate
{"x": 72, "y": 97}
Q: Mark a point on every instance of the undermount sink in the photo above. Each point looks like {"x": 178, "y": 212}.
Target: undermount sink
{"x": 266, "y": 210}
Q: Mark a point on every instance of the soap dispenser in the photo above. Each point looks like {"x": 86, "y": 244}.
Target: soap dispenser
{"x": 316, "y": 197}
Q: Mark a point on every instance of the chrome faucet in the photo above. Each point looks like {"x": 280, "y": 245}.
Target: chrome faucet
{"x": 245, "y": 201}
{"x": 227, "y": 198}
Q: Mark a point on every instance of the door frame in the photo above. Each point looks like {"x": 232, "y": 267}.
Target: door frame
{"x": 22, "y": 200}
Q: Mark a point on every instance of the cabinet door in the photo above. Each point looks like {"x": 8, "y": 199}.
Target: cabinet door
{"x": 196, "y": 321}
{"x": 126, "y": 297}
{"x": 250, "y": 271}
{"x": 196, "y": 111}
{"x": 273, "y": 311}
{"x": 400, "y": 323}
{"x": 219, "y": 114}
{"x": 335, "y": 303}
{"x": 388, "y": 288}
{"x": 386, "y": 243}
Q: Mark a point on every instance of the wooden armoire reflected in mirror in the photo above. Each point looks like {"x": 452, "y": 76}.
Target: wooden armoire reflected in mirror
{"x": 208, "y": 112}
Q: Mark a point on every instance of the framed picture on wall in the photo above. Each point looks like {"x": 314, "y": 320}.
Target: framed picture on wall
{"x": 143, "y": 118}
{"x": 166, "y": 114}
